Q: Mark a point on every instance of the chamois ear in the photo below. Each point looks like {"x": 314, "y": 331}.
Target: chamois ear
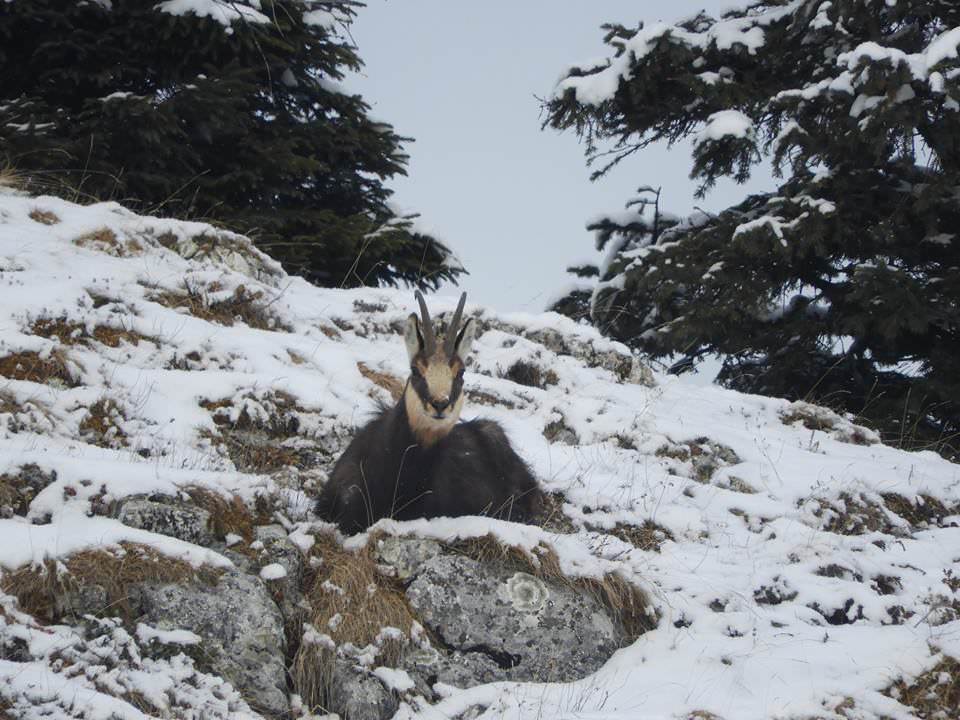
{"x": 465, "y": 339}
{"x": 412, "y": 336}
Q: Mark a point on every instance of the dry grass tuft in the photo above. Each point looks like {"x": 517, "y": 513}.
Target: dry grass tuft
{"x": 106, "y": 241}
{"x": 627, "y": 603}
{"x": 482, "y": 397}
{"x": 10, "y": 178}
{"x": 242, "y": 305}
{"x": 551, "y": 516}
{"x": 351, "y": 602}
{"x": 854, "y": 515}
{"x": 648, "y": 536}
{"x": 17, "y": 490}
{"x": 44, "y": 217}
{"x": 704, "y": 455}
{"x": 226, "y": 516}
{"x": 391, "y": 383}
{"x": 921, "y": 512}
{"x": 103, "y": 423}
{"x": 70, "y": 332}
{"x": 934, "y": 695}
{"x": 255, "y": 443}
{"x": 45, "y": 591}
{"x": 30, "y": 366}
{"x": 526, "y": 373}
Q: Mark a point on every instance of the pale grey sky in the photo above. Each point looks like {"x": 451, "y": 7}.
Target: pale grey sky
{"x": 511, "y": 200}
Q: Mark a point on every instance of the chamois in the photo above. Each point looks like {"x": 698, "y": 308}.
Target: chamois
{"x": 415, "y": 460}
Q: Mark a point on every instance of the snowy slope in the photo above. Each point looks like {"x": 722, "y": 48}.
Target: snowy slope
{"x": 787, "y": 584}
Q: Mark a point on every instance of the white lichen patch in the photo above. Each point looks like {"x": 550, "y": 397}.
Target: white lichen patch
{"x": 527, "y": 594}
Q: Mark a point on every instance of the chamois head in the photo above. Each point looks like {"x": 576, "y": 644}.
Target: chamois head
{"x": 434, "y": 392}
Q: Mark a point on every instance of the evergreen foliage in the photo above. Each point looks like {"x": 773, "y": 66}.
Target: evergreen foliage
{"x": 843, "y": 284}
{"x": 228, "y": 111}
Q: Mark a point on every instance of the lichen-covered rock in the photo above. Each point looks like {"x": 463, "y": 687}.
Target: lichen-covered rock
{"x": 241, "y": 627}
{"x": 359, "y": 695}
{"x": 405, "y": 555}
{"x": 170, "y": 517}
{"x": 496, "y": 623}
{"x": 277, "y": 549}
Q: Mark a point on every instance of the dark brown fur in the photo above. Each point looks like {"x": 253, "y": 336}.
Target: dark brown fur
{"x": 384, "y": 472}
{"x": 415, "y": 460}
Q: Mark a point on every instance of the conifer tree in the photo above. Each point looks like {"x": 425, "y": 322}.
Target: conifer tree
{"x": 843, "y": 283}
{"x": 222, "y": 110}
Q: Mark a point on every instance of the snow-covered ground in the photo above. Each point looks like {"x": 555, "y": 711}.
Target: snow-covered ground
{"x": 787, "y": 586}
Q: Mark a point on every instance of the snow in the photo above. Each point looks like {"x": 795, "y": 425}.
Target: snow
{"x": 145, "y": 633}
{"x": 724, "y": 124}
{"x": 598, "y": 87}
{"x": 396, "y": 680}
{"x": 719, "y": 646}
{"x": 273, "y": 571}
{"x": 226, "y": 12}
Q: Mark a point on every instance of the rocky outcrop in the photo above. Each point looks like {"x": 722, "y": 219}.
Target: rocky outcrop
{"x": 481, "y": 617}
{"x": 241, "y": 629}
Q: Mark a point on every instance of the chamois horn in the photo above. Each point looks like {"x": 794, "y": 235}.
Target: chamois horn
{"x": 429, "y": 338}
{"x": 451, "y": 339}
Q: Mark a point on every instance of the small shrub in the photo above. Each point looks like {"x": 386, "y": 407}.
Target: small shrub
{"x": 933, "y": 695}
{"x": 854, "y": 514}
{"x": 54, "y": 369}
{"x": 242, "y": 305}
{"x": 226, "y": 516}
{"x": 647, "y": 536}
{"x": 18, "y": 489}
{"x": 103, "y": 424}
{"x": 921, "y": 512}
{"x": 526, "y": 373}
{"x": 704, "y": 455}
{"x": 260, "y": 435}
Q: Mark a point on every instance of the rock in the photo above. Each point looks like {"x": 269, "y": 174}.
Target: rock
{"x": 496, "y": 623}
{"x": 358, "y": 695}
{"x": 169, "y": 516}
{"x": 241, "y": 627}
{"x": 277, "y": 549}
{"x": 405, "y": 555}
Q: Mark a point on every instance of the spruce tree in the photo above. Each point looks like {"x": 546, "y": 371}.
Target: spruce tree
{"x": 228, "y": 111}
{"x": 842, "y": 284}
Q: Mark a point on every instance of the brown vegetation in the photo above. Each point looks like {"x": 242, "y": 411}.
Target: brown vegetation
{"x": 391, "y": 383}
{"x": 226, "y": 515}
{"x": 351, "y": 602}
{"x": 70, "y": 332}
{"x": 256, "y": 445}
{"x": 647, "y": 536}
{"x": 933, "y": 695}
{"x": 106, "y": 241}
{"x": 19, "y": 488}
{"x": 242, "y": 305}
{"x": 30, "y": 366}
{"x": 704, "y": 455}
{"x": 44, "y": 217}
{"x": 46, "y": 591}
{"x": 531, "y": 375}
{"x": 102, "y": 424}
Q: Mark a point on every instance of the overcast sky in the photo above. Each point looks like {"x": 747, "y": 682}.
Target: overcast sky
{"x": 511, "y": 200}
